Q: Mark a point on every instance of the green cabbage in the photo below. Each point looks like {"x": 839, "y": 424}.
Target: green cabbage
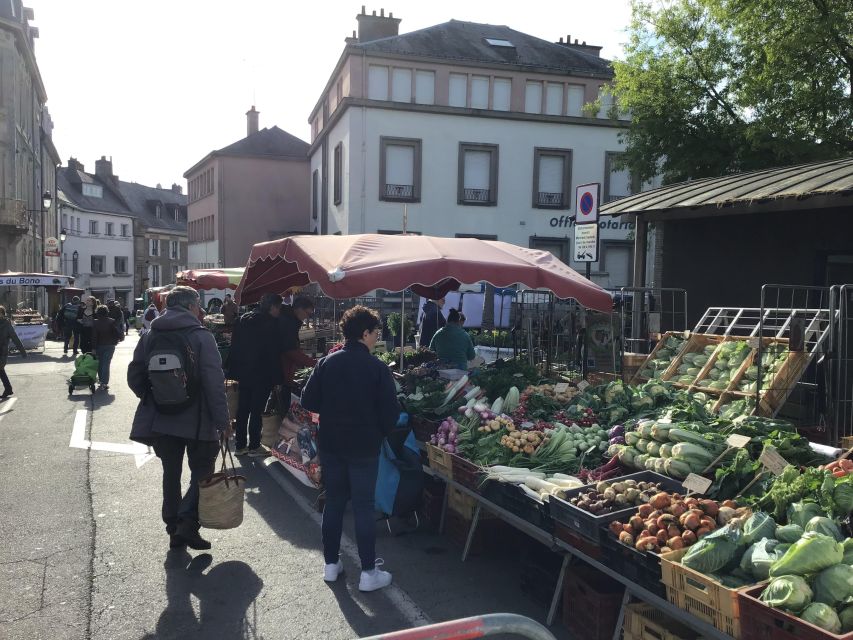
{"x": 823, "y": 616}
{"x": 791, "y": 593}
{"x": 810, "y": 554}
{"x": 846, "y": 617}
{"x": 825, "y": 526}
{"x": 848, "y": 551}
{"x": 789, "y": 532}
{"x": 801, "y": 512}
{"x": 759, "y": 525}
{"x": 760, "y": 556}
{"x": 714, "y": 551}
{"x": 833, "y": 585}
{"x": 842, "y": 497}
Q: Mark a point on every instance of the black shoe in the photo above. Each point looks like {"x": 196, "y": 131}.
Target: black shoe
{"x": 8, "y": 393}
{"x": 176, "y": 541}
{"x": 193, "y": 541}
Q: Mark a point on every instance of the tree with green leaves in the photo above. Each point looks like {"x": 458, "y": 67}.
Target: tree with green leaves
{"x": 721, "y": 86}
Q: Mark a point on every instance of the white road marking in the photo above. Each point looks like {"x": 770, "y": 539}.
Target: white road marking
{"x": 7, "y": 406}
{"x": 140, "y": 452}
{"x": 401, "y": 600}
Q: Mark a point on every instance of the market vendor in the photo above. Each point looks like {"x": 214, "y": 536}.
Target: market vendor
{"x": 452, "y": 343}
{"x": 229, "y": 310}
{"x": 290, "y": 322}
{"x": 431, "y": 320}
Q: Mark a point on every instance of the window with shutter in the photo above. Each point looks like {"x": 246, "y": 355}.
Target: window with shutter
{"x": 400, "y": 169}
{"x": 502, "y": 89}
{"x": 479, "y": 92}
{"x": 554, "y": 99}
{"x": 617, "y": 183}
{"x": 458, "y": 90}
{"x": 551, "y": 178}
{"x": 377, "y": 82}
{"x": 575, "y": 105}
{"x": 605, "y": 100}
{"x": 478, "y": 174}
{"x": 425, "y": 87}
{"x": 533, "y": 97}
{"x": 401, "y": 85}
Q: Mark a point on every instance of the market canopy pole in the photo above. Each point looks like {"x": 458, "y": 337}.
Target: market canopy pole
{"x": 403, "y": 296}
{"x": 350, "y": 266}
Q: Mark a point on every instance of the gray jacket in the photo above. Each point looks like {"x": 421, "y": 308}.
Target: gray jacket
{"x": 148, "y": 423}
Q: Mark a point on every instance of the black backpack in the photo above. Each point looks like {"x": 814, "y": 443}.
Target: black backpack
{"x": 172, "y": 370}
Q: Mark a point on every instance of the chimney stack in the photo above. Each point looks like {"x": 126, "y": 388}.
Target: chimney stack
{"x": 104, "y": 168}
{"x": 373, "y": 27}
{"x": 75, "y": 164}
{"x": 580, "y": 46}
{"x": 251, "y": 121}
{"x": 176, "y": 188}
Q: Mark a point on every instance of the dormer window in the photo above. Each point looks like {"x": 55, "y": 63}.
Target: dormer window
{"x": 177, "y": 214}
{"x": 499, "y": 42}
{"x": 93, "y": 190}
{"x": 158, "y": 211}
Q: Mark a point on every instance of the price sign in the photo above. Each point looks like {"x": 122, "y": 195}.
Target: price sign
{"x": 583, "y": 384}
{"x": 737, "y": 441}
{"x": 561, "y": 387}
{"x": 771, "y": 459}
{"x": 686, "y": 335}
{"x": 753, "y": 343}
{"x": 696, "y": 484}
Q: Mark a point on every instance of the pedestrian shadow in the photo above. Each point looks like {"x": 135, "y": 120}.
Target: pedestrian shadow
{"x": 226, "y": 599}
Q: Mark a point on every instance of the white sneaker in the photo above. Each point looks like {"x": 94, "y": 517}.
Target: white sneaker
{"x": 332, "y": 571}
{"x": 375, "y": 579}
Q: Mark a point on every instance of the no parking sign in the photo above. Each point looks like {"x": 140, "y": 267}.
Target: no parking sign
{"x": 586, "y": 223}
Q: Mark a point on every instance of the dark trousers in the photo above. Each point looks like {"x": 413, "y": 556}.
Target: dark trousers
{"x": 7, "y": 386}
{"x": 252, "y": 400}
{"x": 180, "y": 513}
{"x": 67, "y": 334}
{"x": 85, "y": 340}
{"x": 349, "y": 479}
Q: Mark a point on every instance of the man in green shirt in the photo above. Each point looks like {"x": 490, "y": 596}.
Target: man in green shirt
{"x": 452, "y": 343}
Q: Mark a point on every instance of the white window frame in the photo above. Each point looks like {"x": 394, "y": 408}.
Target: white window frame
{"x": 532, "y": 101}
{"x": 174, "y": 250}
{"x": 401, "y": 84}
{"x": 500, "y": 104}
{"x": 460, "y": 81}
{"x": 424, "y": 87}
{"x": 154, "y": 247}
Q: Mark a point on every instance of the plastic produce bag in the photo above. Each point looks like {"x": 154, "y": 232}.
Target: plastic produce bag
{"x": 789, "y": 532}
{"x": 825, "y": 526}
{"x": 810, "y": 554}
{"x": 833, "y": 585}
{"x": 759, "y": 525}
{"x": 714, "y": 551}
{"x": 800, "y": 513}
{"x": 791, "y": 593}
{"x": 760, "y": 556}
{"x": 823, "y": 616}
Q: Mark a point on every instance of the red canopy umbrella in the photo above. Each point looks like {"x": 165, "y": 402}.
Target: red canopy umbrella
{"x": 208, "y": 279}
{"x": 350, "y": 266}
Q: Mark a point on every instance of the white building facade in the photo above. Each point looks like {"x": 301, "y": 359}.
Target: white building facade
{"x": 487, "y": 137}
{"x": 98, "y": 252}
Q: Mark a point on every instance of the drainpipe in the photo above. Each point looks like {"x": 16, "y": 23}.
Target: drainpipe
{"x": 364, "y": 143}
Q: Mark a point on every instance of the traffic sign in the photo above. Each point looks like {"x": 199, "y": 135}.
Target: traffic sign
{"x": 586, "y": 195}
{"x": 586, "y": 243}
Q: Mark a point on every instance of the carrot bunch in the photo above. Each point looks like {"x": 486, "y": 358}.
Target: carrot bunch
{"x": 839, "y": 468}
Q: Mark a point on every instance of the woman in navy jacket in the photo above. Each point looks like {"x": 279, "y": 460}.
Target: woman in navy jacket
{"x": 355, "y": 395}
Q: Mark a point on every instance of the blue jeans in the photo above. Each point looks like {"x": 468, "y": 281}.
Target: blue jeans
{"x": 105, "y": 357}
{"x": 348, "y": 479}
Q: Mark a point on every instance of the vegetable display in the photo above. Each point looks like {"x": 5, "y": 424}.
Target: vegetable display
{"x": 663, "y": 357}
{"x": 608, "y": 497}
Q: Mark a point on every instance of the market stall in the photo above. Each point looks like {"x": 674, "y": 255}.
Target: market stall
{"x": 30, "y": 325}
{"x": 210, "y": 279}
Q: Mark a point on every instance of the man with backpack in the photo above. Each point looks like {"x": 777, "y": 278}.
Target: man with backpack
{"x": 176, "y": 373}
{"x": 70, "y": 326}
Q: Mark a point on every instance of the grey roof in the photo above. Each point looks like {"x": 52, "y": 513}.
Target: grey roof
{"x": 797, "y": 181}
{"x": 268, "y": 142}
{"x": 465, "y": 41}
{"x": 68, "y": 180}
{"x": 141, "y": 200}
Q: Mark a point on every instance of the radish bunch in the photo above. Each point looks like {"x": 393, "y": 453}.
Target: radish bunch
{"x": 446, "y": 436}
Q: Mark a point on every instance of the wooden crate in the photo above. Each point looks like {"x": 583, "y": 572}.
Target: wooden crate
{"x": 847, "y": 442}
{"x": 645, "y": 622}
{"x": 591, "y": 603}
{"x": 461, "y": 502}
{"x": 440, "y": 461}
{"x": 783, "y": 382}
{"x": 637, "y": 378}
{"x": 700, "y": 595}
{"x": 631, "y": 363}
{"x": 695, "y": 344}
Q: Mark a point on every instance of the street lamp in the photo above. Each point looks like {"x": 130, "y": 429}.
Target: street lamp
{"x": 46, "y": 200}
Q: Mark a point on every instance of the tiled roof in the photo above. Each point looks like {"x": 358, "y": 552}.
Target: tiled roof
{"x": 466, "y": 42}
{"x": 268, "y": 142}
{"x": 141, "y": 200}
{"x": 795, "y": 182}
{"x": 68, "y": 180}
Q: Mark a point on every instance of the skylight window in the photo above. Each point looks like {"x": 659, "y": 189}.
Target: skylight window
{"x": 497, "y": 42}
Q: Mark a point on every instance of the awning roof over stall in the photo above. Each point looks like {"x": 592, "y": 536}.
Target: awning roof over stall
{"x": 207, "y": 279}
{"x": 351, "y": 266}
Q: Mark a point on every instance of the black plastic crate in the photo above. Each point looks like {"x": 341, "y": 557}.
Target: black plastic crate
{"x": 593, "y": 527}
{"x": 514, "y": 500}
{"x": 641, "y": 568}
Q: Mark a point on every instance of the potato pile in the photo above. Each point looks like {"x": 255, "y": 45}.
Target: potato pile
{"x": 608, "y": 497}
{"x": 548, "y": 390}
{"x": 521, "y": 440}
{"x": 671, "y": 521}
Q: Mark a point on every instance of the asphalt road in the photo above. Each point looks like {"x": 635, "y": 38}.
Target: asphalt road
{"x": 85, "y": 554}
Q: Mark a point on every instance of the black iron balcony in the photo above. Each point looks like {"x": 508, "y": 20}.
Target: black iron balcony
{"x": 548, "y": 199}
{"x": 402, "y": 191}
{"x": 476, "y": 195}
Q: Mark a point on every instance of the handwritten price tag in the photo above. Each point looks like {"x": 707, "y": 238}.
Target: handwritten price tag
{"x": 753, "y": 343}
{"x": 737, "y": 441}
{"x": 771, "y": 459}
{"x": 583, "y": 384}
{"x": 696, "y": 484}
{"x": 561, "y": 387}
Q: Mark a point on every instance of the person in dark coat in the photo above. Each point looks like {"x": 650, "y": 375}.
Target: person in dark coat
{"x": 293, "y": 357}
{"x": 229, "y": 310}
{"x": 106, "y": 334}
{"x": 431, "y": 320}
{"x": 355, "y": 395}
{"x": 70, "y": 324}
{"x": 254, "y": 362}
{"x": 7, "y": 333}
{"x": 195, "y": 431}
